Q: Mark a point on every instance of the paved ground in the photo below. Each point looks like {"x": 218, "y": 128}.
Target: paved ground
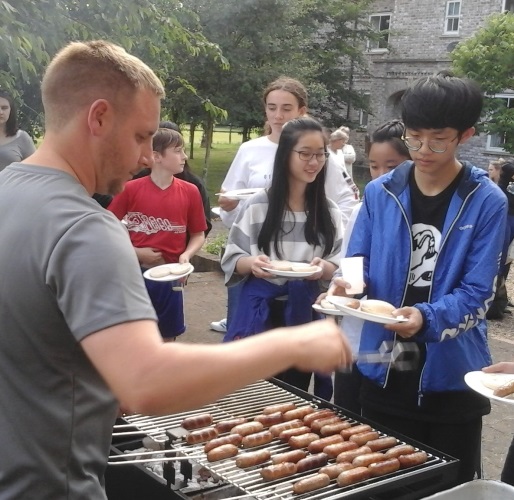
{"x": 206, "y": 301}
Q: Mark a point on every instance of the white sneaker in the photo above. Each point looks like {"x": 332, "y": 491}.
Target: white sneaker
{"x": 219, "y": 326}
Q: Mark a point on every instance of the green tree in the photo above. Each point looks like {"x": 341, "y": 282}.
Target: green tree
{"x": 488, "y": 58}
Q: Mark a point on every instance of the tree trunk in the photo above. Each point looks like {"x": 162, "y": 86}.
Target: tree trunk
{"x": 192, "y": 128}
{"x": 208, "y": 133}
{"x": 246, "y": 134}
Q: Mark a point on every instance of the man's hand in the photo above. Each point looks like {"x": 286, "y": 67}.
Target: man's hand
{"x": 503, "y": 367}
{"x": 149, "y": 257}
{"x": 227, "y": 204}
{"x": 408, "y": 328}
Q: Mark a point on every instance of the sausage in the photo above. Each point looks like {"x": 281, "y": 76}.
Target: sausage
{"x": 252, "y": 458}
{"x": 285, "y": 435}
{"x": 222, "y": 452}
{"x": 382, "y": 443}
{"x": 317, "y": 425}
{"x": 257, "y": 439}
{"x": 363, "y": 437}
{"x": 325, "y": 413}
{"x": 312, "y": 462}
{"x": 247, "y": 428}
{"x": 367, "y": 459}
{"x": 278, "y": 471}
{"x": 333, "y": 470}
{"x": 353, "y": 476}
{"x": 281, "y": 407}
{"x": 412, "y": 459}
{"x": 348, "y": 456}
{"x": 318, "y": 445}
{"x": 234, "y": 439}
{"x": 385, "y": 467}
{"x": 278, "y": 428}
{"x": 197, "y": 421}
{"x": 332, "y": 450}
{"x": 201, "y": 435}
{"x": 311, "y": 483}
{"x": 401, "y": 449}
{"x": 288, "y": 456}
{"x": 226, "y": 425}
{"x": 298, "y": 413}
{"x": 270, "y": 419}
{"x": 346, "y": 433}
{"x": 329, "y": 429}
{"x": 303, "y": 440}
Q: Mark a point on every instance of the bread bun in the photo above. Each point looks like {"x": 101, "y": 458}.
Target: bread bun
{"x": 494, "y": 381}
{"x": 304, "y": 268}
{"x": 353, "y": 304}
{"x": 325, "y": 304}
{"x": 377, "y": 307}
{"x": 160, "y": 272}
{"x": 180, "y": 268}
{"x": 505, "y": 390}
{"x": 281, "y": 265}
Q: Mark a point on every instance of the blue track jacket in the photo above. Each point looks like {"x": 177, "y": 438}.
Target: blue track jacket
{"x": 464, "y": 280}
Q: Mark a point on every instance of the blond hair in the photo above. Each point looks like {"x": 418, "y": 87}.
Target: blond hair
{"x": 497, "y": 164}
{"x": 83, "y": 72}
{"x": 340, "y": 133}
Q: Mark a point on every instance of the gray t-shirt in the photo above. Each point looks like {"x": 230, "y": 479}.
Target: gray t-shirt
{"x": 67, "y": 270}
{"x": 18, "y": 149}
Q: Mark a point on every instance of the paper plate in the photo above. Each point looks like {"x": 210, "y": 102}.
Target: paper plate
{"x": 340, "y": 303}
{"x": 327, "y": 312}
{"x": 292, "y": 274}
{"x": 240, "y": 194}
{"x": 169, "y": 277}
{"x": 475, "y": 381}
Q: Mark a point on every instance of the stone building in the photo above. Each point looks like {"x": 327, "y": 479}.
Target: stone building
{"x": 420, "y": 36}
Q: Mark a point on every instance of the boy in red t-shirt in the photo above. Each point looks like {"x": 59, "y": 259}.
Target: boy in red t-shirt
{"x": 166, "y": 223}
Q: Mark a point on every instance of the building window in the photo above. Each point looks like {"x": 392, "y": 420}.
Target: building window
{"x": 363, "y": 114}
{"x": 508, "y": 5}
{"x": 451, "y": 23}
{"x": 495, "y": 142}
{"x": 380, "y": 24}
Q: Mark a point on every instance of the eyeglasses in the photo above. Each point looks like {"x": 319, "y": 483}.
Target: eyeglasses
{"x": 306, "y": 156}
{"x": 434, "y": 146}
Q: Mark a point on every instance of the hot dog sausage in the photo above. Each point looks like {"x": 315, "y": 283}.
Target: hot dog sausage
{"x": 385, "y": 467}
{"x": 285, "y": 435}
{"x": 247, "y": 428}
{"x": 234, "y": 439}
{"x": 318, "y": 414}
{"x": 333, "y": 470}
{"x": 367, "y": 459}
{"x": 318, "y": 445}
{"x": 317, "y": 425}
{"x": 222, "y": 452}
{"x": 257, "y": 439}
{"x": 353, "y": 476}
{"x": 252, "y": 458}
{"x": 197, "y": 421}
{"x": 311, "y": 483}
{"x": 348, "y": 456}
{"x": 298, "y": 413}
{"x": 269, "y": 420}
{"x": 303, "y": 440}
{"x": 330, "y": 429}
{"x": 278, "y": 471}
{"x": 226, "y": 425}
{"x": 281, "y": 407}
{"x": 289, "y": 456}
{"x": 332, "y": 450}
{"x": 418, "y": 458}
{"x": 382, "y": 443}
{"x": 312, "y": 462}
{"x": 278, "y": 428}
{"x": 201, "y": 435}
{"x": 363, "y": 437}
{"x": 401, "y": 449}
{"x": 346, "y": 433}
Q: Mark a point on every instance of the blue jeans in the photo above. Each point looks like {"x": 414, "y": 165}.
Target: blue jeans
{"x": 233, "y": 293}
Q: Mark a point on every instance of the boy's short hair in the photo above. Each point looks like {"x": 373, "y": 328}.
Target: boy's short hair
{"x": 166, "y": 138}
{"x": 441, "y": 101}
{"x": 83, "y": 72}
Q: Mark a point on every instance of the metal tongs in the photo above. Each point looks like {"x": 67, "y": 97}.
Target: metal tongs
{"x": 402, "y": 356}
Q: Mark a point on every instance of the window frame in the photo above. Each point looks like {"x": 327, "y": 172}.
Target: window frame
{"x": 374, "y": 45}
{"x": 498, "y": 149}
{"x": 506, "y": 4}
{"x": 452, "y": 17}
{"x": 364, "y": 115}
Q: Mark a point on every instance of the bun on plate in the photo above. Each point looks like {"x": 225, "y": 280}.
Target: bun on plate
{"x": 160, "y": 272}
{"x": 304, "y": 268}
{"x": 377, "y": 307}
{"x": 499, "y": 383}
{"x": 281, "y": 265}
{"x": 325, "y": 304}
{"x": 353, "y": 304}
{"x": 180, "y": 268}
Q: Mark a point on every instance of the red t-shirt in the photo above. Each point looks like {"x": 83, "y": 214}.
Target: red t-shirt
{"x": 160, "y": 218}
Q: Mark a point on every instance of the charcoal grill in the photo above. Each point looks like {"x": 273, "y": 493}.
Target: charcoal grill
{"x": 135, "y": 482}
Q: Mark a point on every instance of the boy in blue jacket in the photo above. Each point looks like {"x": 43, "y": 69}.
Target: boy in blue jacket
{"x": 431, "y": 234}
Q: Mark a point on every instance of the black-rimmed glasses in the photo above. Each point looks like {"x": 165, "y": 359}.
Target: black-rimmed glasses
{"x": 306, "y": 156}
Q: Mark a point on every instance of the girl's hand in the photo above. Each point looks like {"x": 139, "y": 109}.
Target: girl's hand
{"x": 258, "y": 263}
{"x": 503, "y": 367}
{"x": 227, "y": 204}
{"x": 319, "y": 274}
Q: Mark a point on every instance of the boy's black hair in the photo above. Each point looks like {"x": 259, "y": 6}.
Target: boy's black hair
{"x": 390, "y": 132}
{"x": 441, "y": 101}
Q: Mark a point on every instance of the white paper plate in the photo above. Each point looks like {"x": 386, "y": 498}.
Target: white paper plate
{"x": 340, "y": 302}
{"x": 240, "y": 194}
{"x": 169, "y": 277}
{"x": 328, "y": 312}
{"x": 292, "y": 274}
{"x": 474, "y": 380}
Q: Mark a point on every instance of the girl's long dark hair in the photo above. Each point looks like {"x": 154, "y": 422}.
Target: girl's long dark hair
{"x": 319, "y": 227}
{"x": 11, "y": 125}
